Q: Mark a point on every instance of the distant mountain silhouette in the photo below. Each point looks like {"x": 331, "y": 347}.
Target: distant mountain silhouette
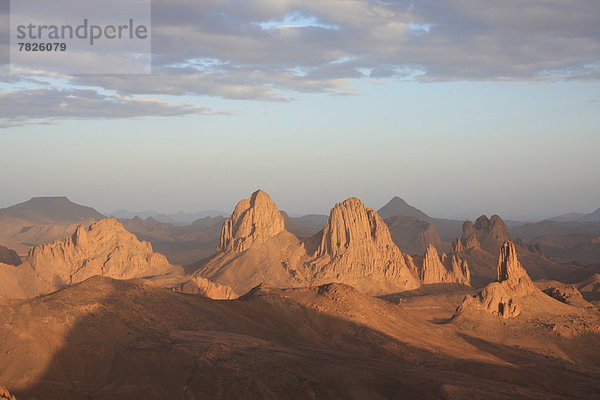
{"x": 178, "y": 218}
{"x": 47, "y": 210}
{"x": 397, "y": 206}
{"x": 593, "y": 217}
{"x": 413, "y": 235}
{"x": 577, "y": 217}
{"x": 315, "y": 222}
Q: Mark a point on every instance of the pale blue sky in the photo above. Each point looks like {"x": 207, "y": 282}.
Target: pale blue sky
{"x": 494, "y": 109}
{"x": 448, "y": 148}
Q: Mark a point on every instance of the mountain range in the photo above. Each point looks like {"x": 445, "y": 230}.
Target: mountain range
{"x": 272, "y": 308}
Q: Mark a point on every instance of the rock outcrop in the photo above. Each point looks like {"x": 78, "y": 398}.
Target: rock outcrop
{"x": 568, "y": 294}
{"x": 479, "y": 246}
{"x": 488, "y": 234}
{"x": 254, "y": 248}
{"x": 8, "y": 256}
{"x": 5, "y": 394}
{"x": 502, "y": 297}
{"x": 206, "y": 288}
{"x": 105, "y": 249}
{"x": 254, "y": 219}
{"x": 356, "y": 248}
{"x": 447, "y": 269}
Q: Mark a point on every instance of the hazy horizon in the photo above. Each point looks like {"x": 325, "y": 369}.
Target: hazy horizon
{"x": 468, "y": 214}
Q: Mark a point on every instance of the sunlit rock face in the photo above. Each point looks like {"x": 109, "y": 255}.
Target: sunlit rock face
{"x": 254, "y": 219}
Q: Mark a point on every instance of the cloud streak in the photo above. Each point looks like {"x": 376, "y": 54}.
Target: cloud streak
{"x": 46, "y": 105}
{"x": 271, "y": 50}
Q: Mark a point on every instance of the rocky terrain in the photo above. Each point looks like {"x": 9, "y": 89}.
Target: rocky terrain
{"x": 105, "y": 248}
{"x": 447, "y": 269}
{"x": 481, "y": 241}
{"x": 280, "y": 310}
{"x": 355, "y": 247}
{"x": 105, "y": 338}
{"x": 503, "y": 297}
{"x": 5, "y": 394}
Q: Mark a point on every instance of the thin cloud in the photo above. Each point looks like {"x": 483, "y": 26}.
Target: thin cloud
{"x": 34, "y": 106}
{"x": 222, "y": 49}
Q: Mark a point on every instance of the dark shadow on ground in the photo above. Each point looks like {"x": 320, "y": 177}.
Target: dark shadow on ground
{"x": 132, "y": 340}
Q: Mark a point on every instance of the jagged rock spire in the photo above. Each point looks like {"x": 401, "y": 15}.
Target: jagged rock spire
{"x": 254, "y": 219}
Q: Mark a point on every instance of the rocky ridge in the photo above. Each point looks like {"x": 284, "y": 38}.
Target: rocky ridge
{"x": 568, "y": 294}
{"x": 206, "y": 288}
{"x": 445, "y": 269}
{"x": 354, "y": 248}
{"x": 106, "y": 249}
{"x": 502, "y": 297}
{"x": 488, "y": 234}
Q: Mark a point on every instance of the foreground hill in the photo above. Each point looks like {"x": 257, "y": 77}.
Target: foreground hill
{"x": 105, "y": 338}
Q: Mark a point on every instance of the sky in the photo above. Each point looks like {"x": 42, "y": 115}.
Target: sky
{"x": 459, "y": 107}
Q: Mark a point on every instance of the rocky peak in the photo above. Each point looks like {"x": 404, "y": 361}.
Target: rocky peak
{"x": 494, "y": 227}
{"x": 106, "y": 249}
{"x": 457, "y": 246}
{"x": 356, "y": 248}
{"x": 447, "y": 269}
{"x": 509, "y": 267}
{"x": 469, "y": 238}
{"x": 5, "y": 394}
{"x": 351, "y": 225}
{"x": 253, "y": 219}
{"x": 486, "y": 233}
{"x": 504, "y": 296}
